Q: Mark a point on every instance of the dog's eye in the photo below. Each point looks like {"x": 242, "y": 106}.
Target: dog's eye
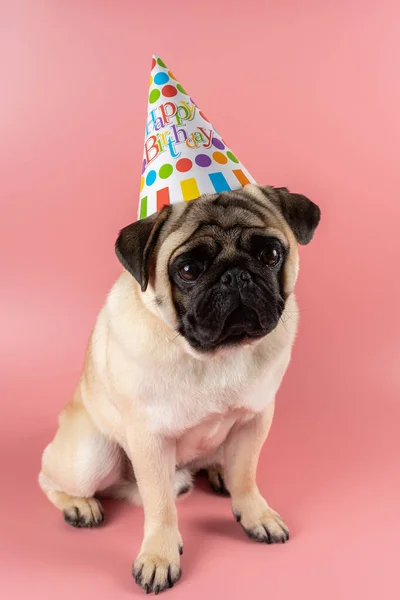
{"x": 271, "y": 256}
{"x": 190, "y": 271}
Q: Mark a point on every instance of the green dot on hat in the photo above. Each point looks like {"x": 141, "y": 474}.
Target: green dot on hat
{"x": 160, "y": 62}
{"x": 180, "y": 88}
{"x": 165, "y": 171}
{"x": 154, "y": 96}
{"x": 232, "y": 156}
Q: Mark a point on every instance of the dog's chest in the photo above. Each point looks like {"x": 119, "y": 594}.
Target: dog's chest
{"x": 206, "y": 399}
{"x": 204, "y": 439}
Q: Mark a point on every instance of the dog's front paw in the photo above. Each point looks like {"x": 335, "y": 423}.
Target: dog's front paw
{"x": 83, "y": 512}
{"x": 157, "y": 567}
{"x": 260, "y": 522}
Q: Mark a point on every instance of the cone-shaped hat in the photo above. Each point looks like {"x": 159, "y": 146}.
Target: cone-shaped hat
{"x": 184, "y": 157}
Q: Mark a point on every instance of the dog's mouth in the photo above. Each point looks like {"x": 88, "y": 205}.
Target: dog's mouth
{"x": 243, "y": 326}
{"x": 240, "y": 339}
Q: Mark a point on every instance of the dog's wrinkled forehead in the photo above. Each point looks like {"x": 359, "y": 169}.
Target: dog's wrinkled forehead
{"x": 227, "y": 210}
{"x": 218, "y": 225}
{"x": 224, "y": 216}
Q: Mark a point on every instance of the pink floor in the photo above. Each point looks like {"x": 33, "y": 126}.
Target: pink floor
{"x": 308, "y": 95}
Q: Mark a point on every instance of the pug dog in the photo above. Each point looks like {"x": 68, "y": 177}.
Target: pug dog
{"x": 182, "y": 369}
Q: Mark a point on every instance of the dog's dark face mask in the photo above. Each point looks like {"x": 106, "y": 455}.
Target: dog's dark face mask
{"x": 227, "y": 277}
{"x": 227, "y": 286}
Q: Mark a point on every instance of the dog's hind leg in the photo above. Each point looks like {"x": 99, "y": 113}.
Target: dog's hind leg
{"x": 216, "y": 479}
{"x": 79, "y": 462}
{"x": 213, "y": 466}
{"x": 128, "y": 489}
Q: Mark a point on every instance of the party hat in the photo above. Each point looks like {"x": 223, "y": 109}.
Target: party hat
{"x": 184, "y": 156}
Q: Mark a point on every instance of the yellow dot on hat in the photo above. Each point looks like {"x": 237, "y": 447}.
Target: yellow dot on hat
{"x": 141, "y": 183}
{"x": 151, "y": 80}
{"x": 171, "y": 75}
{"x": 154, "y": 96}
{"x": 220, "y": 158}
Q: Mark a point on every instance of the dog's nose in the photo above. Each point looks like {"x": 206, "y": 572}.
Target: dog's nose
{"x": 235, "y": 276}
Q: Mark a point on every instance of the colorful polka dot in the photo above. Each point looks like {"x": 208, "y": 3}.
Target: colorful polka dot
{"x": 169, "y": 91}
{"x": 183, "y": 165}
{"x": 203, "y": 116}
{"x": 190, "y": 189}
{"x": 160, "y": 62}
{"x": 171, "y": 75}
{"x": 220, "y": 158}
{"x": 163, "y": 198}
{"x": 151, "y": 177}
{"x": 180, "y": 88}
{"x": 161, "y": 78}
{"x": 241, "y": 177}
{"x": 143, "y": 166}
{"x": 165, "y": 171}
{"x": 232, "y": 157}
{"x": 143, "y": 208}
{"x": 202, "y": 160}
{"x": 151, "y": 81}
{"x": 219, "y": 182}
{"x": 141, "y": 183}
{"x": 154, "y": 96}
{"x": 153, "y": 63}
{"x": 217, "y": 143}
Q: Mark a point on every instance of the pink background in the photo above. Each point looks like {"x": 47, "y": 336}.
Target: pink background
{"x": 307, "y": 93}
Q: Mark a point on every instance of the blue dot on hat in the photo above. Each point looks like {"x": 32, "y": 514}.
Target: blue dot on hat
{"x": 151, "y": 177}
{"x": 161, "y": 78}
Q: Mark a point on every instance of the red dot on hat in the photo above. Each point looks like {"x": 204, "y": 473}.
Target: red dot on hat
{"x": 183, "y": 165}
{"x": 169, "y": 91}
{"x": 204, "y": 117}
{"x": 153, "y": 63}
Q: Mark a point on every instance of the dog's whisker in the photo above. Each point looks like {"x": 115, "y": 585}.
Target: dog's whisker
{"x": 176, "y": 337}
{"x": 284, "y": 323}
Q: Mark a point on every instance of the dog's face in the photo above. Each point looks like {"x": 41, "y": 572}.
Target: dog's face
{"x": 220, "y": 268}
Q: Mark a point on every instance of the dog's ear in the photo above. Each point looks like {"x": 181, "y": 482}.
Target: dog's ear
{"x": 136, "y": 242}
{"x": 299, "y": 212}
